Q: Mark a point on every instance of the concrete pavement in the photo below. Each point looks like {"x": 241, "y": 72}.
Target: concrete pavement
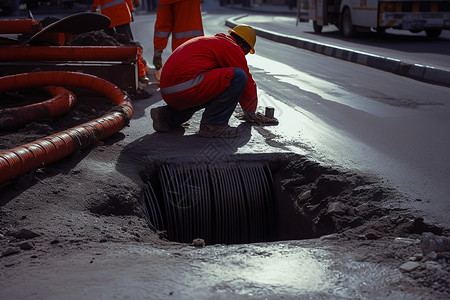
{"x": 278, "y": 23}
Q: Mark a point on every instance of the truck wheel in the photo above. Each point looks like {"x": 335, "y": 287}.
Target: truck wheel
{"x": 347, "y": 29}
{"x": 433, "y": 33}
{"x": 317, "y": 28}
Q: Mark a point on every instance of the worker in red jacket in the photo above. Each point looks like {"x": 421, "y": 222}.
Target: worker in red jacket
{"x": 209, "y": 72}
{"x": 182, "y": 19}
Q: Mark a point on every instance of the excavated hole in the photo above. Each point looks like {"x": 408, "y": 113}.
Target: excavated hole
{"x": 115, "y": 204}
{"x": 245, "y": 201}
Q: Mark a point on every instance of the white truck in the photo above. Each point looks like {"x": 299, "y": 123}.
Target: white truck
{"x": 352, "y": 16}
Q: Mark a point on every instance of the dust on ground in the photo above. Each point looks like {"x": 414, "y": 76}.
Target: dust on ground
{"x": 83, "y": 206}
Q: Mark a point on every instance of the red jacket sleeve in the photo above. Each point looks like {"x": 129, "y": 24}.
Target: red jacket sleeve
{"x": 234, "y": 57}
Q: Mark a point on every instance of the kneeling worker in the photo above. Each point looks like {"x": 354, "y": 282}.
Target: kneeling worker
{"x": 209, "y": 72}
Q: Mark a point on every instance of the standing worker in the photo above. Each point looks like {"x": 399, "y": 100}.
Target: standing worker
{"x": 209, "y": 72}
{"x": 182, "y": 19}
{"x": 142, "y": 63}
{"x": 119, "y": 13}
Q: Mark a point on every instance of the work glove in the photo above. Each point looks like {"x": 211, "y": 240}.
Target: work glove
{"x": 257, "y": 118}
{"x": 157, "y": 59}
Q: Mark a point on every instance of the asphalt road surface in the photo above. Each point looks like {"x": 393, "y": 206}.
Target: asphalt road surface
{"x": 349, "y": 115}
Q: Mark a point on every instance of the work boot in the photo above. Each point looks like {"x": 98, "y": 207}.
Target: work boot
{"x": 159, "y": 119}
{"x": 209, "y": 130}
{"x": 144, "y": 80}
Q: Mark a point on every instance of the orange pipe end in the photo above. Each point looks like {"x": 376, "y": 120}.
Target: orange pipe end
{"x": 57, "y": 53}
{"x": 28, "y": 26}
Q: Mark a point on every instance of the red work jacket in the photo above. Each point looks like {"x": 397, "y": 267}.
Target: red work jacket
{"x": 130, "y": 5}
{"x": 201, "y": 69}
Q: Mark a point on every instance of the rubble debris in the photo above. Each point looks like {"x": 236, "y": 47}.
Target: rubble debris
{"x": 23, "y": 234}
{"x": 434, "y": 243}
{"x": 26, "y": 246}
{"x": 198, "y": 242}
{"x": 10, "y": 251}
{"x": 409, "y": 266}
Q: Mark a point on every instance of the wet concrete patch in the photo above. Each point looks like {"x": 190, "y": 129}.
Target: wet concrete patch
{"x": 290, "y": 270}
{"x": 404, "y": 102}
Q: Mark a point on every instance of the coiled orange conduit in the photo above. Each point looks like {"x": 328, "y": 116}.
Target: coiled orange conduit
{"x": 19, "y": 160}
{"x": 62, "y": 101}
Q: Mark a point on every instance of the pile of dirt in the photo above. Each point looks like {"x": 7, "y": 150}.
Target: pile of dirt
{"x": 101, "y": 38}
{"x": 359, "y": 209}
{"x": 333, "y": 201}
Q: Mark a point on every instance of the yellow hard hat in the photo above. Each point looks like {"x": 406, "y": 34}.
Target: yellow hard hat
{"x": 247, "y": 33}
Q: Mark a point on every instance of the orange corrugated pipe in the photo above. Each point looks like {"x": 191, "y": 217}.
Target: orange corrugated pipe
{"x": 11, "y": 26}
{"x": 62, "y": 101}
{"x": 17, "y": 161}
{"x": 74, "y": 53}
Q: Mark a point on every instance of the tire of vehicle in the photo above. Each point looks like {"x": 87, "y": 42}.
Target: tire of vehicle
{"x": 347, "y": 29}
{"x": 317, "y": 28}
{"x": 433, "y": 33}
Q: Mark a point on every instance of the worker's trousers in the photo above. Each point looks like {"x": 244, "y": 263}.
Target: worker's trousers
{"x": 217, "y": 111}
{"x": 182, "y": 19}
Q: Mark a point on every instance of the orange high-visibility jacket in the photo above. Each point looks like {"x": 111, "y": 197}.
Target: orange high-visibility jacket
{"x": 181, "y": 18}
{"x": 117, "y": 10}
{"x": 201, "y": 69}
{"x": 130, "y": 5}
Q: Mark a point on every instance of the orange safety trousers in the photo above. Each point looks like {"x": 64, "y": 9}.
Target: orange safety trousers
{"x": 142, "y": 64}
{"x": 182, "y": 19}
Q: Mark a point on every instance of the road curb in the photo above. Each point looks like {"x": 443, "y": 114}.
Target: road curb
{"x": 268, "y": 11}
{"x": 420, "y": 72}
